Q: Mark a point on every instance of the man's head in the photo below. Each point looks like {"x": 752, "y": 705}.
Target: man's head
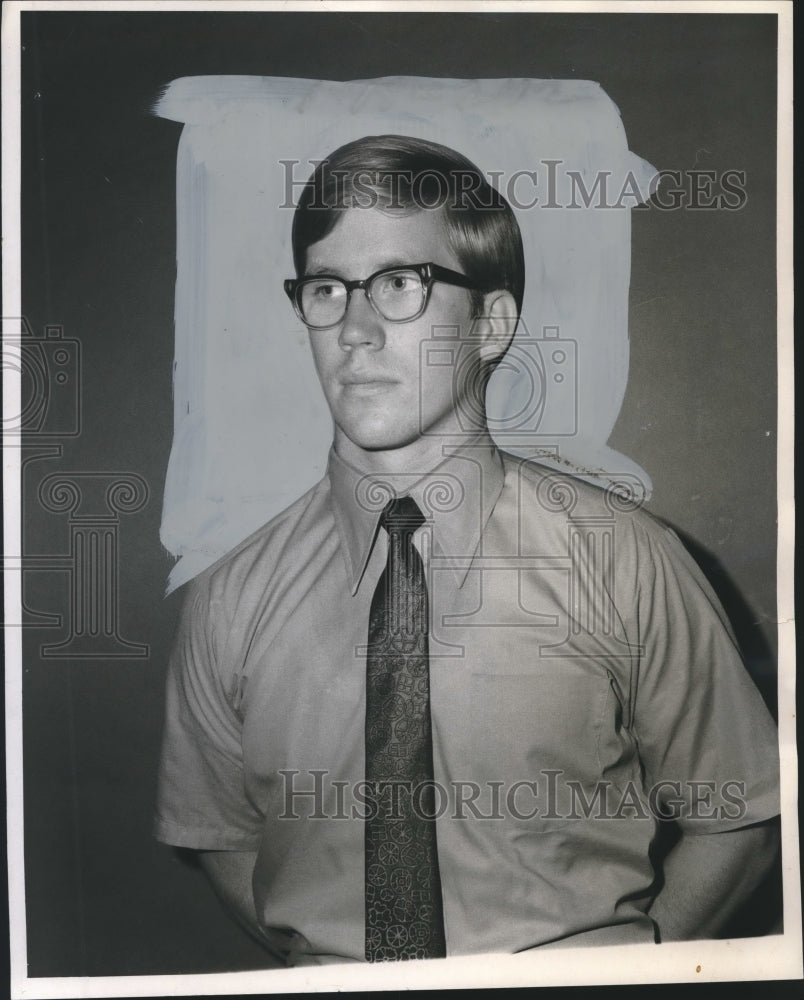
{"x": 394, "y": 202}
{"x": 401, "y": 174}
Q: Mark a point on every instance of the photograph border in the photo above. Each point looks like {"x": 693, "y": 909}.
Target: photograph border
{"x": 772, "y": 958}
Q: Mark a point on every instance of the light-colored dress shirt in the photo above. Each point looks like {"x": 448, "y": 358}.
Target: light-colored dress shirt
{"x": 585, "y": 685}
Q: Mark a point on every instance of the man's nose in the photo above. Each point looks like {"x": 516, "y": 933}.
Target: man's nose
{"x": 361, "y": 325}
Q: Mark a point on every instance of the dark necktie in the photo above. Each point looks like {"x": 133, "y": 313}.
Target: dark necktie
{"x": 404, "y": 917}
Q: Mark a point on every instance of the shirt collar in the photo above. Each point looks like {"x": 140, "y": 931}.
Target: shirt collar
{"x": 456, "y": 497}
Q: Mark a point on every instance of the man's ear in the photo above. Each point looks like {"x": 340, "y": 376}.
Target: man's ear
{"x": 495, "y": 325}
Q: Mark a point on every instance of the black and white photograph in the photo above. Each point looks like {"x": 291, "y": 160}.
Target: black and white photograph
{"x": 398, "y": 496}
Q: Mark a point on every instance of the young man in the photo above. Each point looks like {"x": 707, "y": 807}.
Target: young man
{"x": 444, "y": 702}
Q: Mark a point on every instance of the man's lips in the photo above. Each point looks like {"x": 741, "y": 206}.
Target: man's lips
{"x": 367, "y": 381}
{"x": 360, "y": 385}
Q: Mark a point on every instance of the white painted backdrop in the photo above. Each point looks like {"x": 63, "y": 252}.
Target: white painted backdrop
{"x": 251, "y": 428}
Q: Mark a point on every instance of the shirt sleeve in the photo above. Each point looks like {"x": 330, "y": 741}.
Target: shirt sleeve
{"x": 707, "y": 742}
{"x": 201, "y": 799}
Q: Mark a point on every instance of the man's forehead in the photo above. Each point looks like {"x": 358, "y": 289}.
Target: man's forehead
{"x": 364, "y": 240}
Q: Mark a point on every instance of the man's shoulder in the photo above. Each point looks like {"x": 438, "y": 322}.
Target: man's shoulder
{"x": 264, "y": 549}
{"x": 577, "y": 495}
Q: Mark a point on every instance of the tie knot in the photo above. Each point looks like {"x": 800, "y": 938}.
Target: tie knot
{"x": 401, "y": 514}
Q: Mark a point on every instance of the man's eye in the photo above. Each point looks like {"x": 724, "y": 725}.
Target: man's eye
{"x": 324, "y": 291}
{"x": 398, "y": 283}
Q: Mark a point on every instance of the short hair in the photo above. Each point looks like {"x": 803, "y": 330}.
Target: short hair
{"x": 400, "y": 173}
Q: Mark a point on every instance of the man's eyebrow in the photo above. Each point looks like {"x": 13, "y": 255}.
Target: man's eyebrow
{"x": 336, "y": 272}
{"x": 312, "y": 272}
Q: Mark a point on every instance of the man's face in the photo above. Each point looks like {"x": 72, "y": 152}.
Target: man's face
{"x": 381, "y": 397}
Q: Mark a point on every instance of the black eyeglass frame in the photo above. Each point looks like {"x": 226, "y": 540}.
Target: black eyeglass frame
{"x": 427, "y": 272}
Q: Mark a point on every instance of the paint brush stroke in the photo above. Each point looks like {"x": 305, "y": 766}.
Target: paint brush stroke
{"x": 251, "y": 428}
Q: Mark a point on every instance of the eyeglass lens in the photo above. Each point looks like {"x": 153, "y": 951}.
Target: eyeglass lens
{"x": 396, "y": 295}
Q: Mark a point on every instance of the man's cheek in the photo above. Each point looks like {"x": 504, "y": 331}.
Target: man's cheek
{"x": 435, "y": 389}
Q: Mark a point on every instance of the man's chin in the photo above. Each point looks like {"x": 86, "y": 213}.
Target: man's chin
{"x": 399, "y": 443}
{"x": 380, "y": 443}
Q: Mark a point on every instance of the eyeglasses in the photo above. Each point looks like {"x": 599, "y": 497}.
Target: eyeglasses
{"x": 398, "y": 294}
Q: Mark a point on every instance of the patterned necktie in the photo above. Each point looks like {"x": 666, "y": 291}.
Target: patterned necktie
{"x": 404, "y": 917}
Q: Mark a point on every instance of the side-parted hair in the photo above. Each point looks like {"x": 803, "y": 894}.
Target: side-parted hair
{"x": 397, "y": 173}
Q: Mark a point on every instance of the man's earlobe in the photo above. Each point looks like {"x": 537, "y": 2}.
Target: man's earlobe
{"x": 496, "y": 325}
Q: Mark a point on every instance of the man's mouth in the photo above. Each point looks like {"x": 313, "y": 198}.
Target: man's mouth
{"x": 360, "y": 384}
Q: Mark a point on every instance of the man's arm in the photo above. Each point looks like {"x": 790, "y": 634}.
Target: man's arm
{"x": 230, "y": 873}
{"x": 708, "y": 876}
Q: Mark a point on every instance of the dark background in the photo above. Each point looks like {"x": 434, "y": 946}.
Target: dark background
{"x": 98, "y": 254}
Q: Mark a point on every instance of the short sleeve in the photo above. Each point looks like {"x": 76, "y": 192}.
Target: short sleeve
{"x": 707, "y": 742}
{"x": 201, "y": 799}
